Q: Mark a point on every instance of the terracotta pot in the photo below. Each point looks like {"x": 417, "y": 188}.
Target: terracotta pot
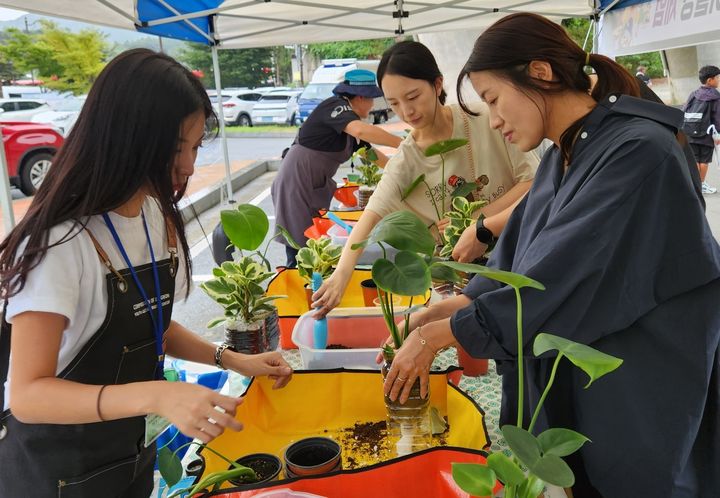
{"x": 370, "y": 291}
{"x": 308, "y": 295}
{"x": 312, "y": 456}
{"x": 472, "y": 367}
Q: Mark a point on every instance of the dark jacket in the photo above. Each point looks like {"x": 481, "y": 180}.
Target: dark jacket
{"x": 710, "y": 94}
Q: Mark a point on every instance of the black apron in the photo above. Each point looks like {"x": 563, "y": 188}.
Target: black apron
{"x": 103, "y": 459}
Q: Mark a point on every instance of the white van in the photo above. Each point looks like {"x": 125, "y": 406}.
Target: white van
{"x": 326, "y": 77}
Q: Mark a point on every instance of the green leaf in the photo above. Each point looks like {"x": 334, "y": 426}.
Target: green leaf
{"x": 444, "y": 146}
{"x": 170, "y": 466}
{"x": 473, "y": 478}
{"x": 442, "y": 273}
{"x": 406, "y": 193}
{"x": 506, "y": 470}
{"x": 532, "y": 487}
{"x": 404, "y": 231}
{"x": 561, "y": 442}
{"x": 553, "y": 470}
{"x": 246, "y": 226}
{"x": 215, "y": 322}
{"x": 286, "y": 235}
{"x": 513, "y": 279}
{"x": 591, "y": 361}
{"x": 523, "y": 444}
{"x": 464, "y": 190}
{"x": 217, "y": 288}
{"x": 408, "y": 275}
{"x": 371, "y": 155}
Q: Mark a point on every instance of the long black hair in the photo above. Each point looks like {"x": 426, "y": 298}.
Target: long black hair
{"x": 507, "y": 47}
{"x": 412, "y": 60}
{"x": 125, "y": 138}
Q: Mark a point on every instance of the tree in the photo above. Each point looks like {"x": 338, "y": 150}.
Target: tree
{"x": 238, "y": 67}
{"x": 66, "y": 61}
{"x": 360, "y": 49}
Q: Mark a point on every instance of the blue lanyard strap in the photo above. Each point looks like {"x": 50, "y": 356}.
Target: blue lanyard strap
{"x": 158, "y": 323}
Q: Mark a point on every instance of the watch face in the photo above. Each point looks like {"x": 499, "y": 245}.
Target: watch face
{"x": 483, "y": 234}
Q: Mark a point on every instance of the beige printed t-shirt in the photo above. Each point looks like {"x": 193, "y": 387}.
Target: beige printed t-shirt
{"x": 498, "y": 166}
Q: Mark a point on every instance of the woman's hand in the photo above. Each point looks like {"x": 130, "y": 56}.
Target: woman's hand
{"x": 271, "y": 364}
{"x": 197, "y": 412}
{"x": 468, "y": 247}
{"x": 412, "y": 361}
{"x": 416, "y": 320}
{"x": 329, "y": 295}
{"x": 442, "y": 224}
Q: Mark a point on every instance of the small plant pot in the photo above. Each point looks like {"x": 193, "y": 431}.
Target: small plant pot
{"x": 364, "y": 194}
{"x": 370, "y": 291}
{"x": 312, "y": 456}
{"x": 308, "y": 295}
{"x": 253, "y": 338}
{"x": 196, "y": 467}
{"x": 472, "y": 367}
{"x": 267, "y": 467}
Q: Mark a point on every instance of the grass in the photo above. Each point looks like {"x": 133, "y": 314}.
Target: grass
{"x": 262, "y": 129}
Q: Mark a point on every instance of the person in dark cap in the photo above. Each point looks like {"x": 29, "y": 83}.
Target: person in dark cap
{"x": 328, "y": 138}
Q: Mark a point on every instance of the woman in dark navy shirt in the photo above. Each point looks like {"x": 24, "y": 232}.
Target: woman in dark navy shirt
{"x": 614, "y": 229}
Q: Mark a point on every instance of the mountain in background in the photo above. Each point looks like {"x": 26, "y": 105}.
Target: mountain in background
{"x": 119, "y": 39}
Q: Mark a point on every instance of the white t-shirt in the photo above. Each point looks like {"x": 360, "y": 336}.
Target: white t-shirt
{"x": 497, "y": 167}
{"x": 70, "y": 279}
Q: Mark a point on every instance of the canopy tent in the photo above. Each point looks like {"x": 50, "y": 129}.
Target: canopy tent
{"x": 256, "y": 23}
{"x": 633, "y": 27}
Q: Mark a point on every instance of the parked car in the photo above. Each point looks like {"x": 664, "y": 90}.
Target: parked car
{"x": 277, "y": 107}
{"x": 237, "y": 105}
{"x": 29, "y": 149}
{"x": 63, "y": 115}
{"x": 22, "y": 109}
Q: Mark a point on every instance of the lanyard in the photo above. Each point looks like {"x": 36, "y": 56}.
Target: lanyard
{"x": 158, "y": 323}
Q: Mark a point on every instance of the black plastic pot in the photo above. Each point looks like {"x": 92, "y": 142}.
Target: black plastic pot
{"x": 266, "y": 466}
{"x": 312, "y": 456}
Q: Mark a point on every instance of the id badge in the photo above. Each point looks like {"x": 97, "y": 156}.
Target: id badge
{"x": 154, "y": 426}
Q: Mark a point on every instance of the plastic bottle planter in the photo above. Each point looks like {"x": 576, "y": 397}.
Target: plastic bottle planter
{"x": 266, "y": 466}
{"x": 364, "y": 194}
{"x": 312, "y": 456}
{"x": 196, "y": 467}
{"x": 257, "y": 337}
{"x": 408, "y": 425}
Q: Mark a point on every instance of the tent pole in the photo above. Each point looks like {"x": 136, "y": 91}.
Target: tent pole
{"x": 221, "y": 122}
{"x": 7, "y": 208}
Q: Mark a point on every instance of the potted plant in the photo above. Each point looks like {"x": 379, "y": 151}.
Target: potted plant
{"x": 440, "y": 149}
{"x": 249, "y": 317}
{"x": 365, "y": 160}
{"x": 408, "y": 274}
{"x": 537, "y": 459}
{"x": 318, "y": 256}
{"x": 250, "y": 469}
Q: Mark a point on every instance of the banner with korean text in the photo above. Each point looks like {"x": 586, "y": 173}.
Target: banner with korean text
{"x": 658, "y": 25}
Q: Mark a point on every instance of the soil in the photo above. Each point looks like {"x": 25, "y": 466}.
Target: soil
{"x": 337, "y": 346}
{"x": 264, "y": 469}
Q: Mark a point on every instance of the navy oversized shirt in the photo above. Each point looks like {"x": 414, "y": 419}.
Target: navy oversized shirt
{"x": 622, "y": 245}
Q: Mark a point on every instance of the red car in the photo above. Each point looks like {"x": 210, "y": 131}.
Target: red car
{"x": 29, "y": 149}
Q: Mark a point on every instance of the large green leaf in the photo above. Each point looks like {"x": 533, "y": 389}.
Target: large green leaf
{"x": 286, "y": 235}
{"x": 217, "y": 288}
{"x": 444, "y": 146}
{"x": 406, "y": 193}
{"x": 531, "y": 488}
{"x": 442, "y": 273}
{"x": 473, "y": 478}
{"x": 561, "y": 442}
{"x": 506, "y": 470}
{"x": 246, "y": 226}
{"x": 408, "y": 275}
{"x": 523, "y": 444}
{"x": 591, "y": 361}
{"x": 402, "y": 230}
{"x": 513, "y": 279}
{"x": 464, "y": 189}
{"x": 553, "y": 470}
{"x": 170, "y": 466}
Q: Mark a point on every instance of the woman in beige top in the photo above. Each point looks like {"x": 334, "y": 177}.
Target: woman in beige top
{"x": 413, "y": 86}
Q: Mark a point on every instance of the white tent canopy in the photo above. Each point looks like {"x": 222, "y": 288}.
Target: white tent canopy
{"x": 258, "y": 23}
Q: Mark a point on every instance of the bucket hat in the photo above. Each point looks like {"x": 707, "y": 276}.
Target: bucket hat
{"x": 359, "y": 82}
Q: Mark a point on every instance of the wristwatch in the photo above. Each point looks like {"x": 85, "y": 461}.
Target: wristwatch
{"x": 483, "y": 233}
{"x": 218, "y": 354}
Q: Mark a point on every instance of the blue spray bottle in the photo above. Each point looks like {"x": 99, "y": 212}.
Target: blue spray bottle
{"x": 320, "y": 331}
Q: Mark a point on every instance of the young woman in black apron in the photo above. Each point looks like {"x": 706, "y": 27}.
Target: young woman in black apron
{"x": 89, "y": 279}
{"x": 327, "y": 139}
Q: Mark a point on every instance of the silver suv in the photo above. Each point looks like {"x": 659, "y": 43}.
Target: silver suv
{"x": 237, "y": 105}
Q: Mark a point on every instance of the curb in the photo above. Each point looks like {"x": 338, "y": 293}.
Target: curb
{"x": 211, "y": 196}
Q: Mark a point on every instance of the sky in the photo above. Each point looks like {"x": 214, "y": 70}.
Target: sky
{"x": 10, "y": 14}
